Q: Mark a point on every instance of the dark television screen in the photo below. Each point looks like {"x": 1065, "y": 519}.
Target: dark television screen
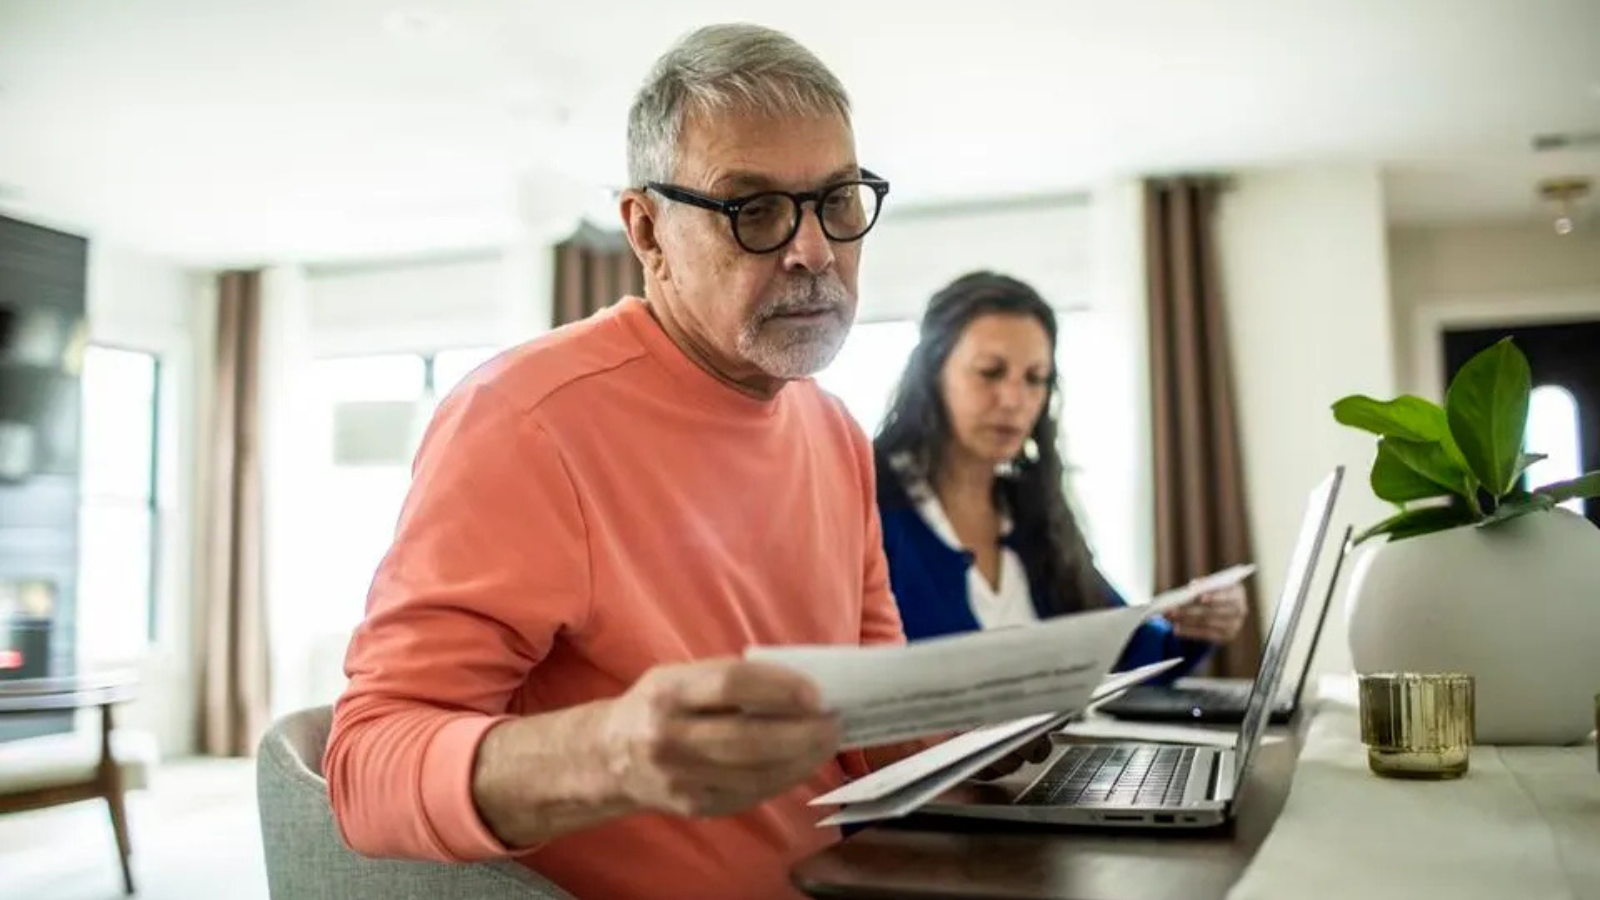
{"x": 39, "y": 356}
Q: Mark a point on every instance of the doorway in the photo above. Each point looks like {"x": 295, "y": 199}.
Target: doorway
{"x": 1564, "y": 419}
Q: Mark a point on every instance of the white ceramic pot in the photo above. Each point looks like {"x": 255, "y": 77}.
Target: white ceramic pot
{"x": 1516, "y": 605}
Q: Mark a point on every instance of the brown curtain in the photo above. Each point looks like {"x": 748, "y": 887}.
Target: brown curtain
{"x": 1201, "y": 522}
{"x": 232, "y": 644}
{"x": 594, "y": 268}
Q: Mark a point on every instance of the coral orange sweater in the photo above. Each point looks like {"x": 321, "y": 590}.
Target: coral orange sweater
{"x": 585, "y": 507}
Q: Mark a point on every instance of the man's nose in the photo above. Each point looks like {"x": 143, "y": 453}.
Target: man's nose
{"x": 810, "y": 250}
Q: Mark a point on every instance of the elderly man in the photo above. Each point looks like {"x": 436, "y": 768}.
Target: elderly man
{"x": 603, "y": 519}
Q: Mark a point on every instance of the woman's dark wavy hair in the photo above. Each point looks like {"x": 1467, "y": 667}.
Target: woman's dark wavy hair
{"x": 917, "y": 429}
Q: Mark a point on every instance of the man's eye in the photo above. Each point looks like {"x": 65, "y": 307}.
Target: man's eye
{"x": 762, "y": 209}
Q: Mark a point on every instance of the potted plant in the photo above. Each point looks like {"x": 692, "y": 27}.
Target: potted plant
{"x": 1474, "y": 573}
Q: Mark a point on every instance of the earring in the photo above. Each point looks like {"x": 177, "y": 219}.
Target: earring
{"x": 1030, "y": 450}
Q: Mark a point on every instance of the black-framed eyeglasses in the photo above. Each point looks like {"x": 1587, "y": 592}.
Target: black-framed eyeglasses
{"x": 766, "y": 221}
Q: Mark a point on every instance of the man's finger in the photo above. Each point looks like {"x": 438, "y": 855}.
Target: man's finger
{"x": 750, "y": 687}
{"x": 738, "y": 741}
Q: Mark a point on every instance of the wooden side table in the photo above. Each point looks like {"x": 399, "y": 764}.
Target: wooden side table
{"x": 45, "y": 788}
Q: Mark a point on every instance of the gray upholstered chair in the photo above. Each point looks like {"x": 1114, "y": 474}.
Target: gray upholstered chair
{"x": 307, "y": 859}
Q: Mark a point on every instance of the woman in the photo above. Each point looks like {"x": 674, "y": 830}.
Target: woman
{"x": 976, "y": 524}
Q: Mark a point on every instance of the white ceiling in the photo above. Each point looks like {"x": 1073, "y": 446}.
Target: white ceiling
{"x": 228, "y": 131}
{"x": 1497, "y": 189}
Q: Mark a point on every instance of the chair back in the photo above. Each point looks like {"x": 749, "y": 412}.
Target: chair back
{"x": 307, "y": 858}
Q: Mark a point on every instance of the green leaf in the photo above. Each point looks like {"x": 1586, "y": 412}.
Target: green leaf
{"x": 1407, "y": 417}
{"x": 1584, "y": 486}
{"x": 1395, "y": 481}
{"x": 1432, "y": 461}
{"x": 1414, "y": 522}
{"x": 1517, "y": 505}
{"x": 1487, "y": 408}
{"x": 1527, "y": 460}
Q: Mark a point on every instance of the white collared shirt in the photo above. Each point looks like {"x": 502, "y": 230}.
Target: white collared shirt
{"x": 1003, "y": 605}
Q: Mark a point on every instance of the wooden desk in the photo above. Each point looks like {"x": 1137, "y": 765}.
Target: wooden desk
{"x": 1013, "y": 863}
{"x": 100, "y": 689}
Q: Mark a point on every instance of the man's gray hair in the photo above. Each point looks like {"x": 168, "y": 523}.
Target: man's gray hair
{"x": 720, "y": 68}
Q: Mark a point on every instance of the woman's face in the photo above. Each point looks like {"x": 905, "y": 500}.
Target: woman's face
{"x": 995, "y": 383}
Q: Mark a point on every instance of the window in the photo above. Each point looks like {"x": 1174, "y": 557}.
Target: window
{"x": 119, "y": 523}
{"x": 864, "y": 374}
{"x": 375, "y": 408}
{"x": 1553, "y": 431}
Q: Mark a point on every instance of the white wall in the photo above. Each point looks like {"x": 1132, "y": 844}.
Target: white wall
{"x": 1306, "y": 281}
{"x": 1483, "y": 274}
{"x": 140, "y": 302}
{"x": 495, "y": 298}
{"x": 405, "y": 306}
{"x": 137, "y": 300}
{"x": 911, "y": 253}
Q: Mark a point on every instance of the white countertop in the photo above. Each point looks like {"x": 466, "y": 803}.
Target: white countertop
{"x": 1523, "y": 823}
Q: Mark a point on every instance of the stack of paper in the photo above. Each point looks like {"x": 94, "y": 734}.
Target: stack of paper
{"x": 899, "y": 789}
{"x": 1011, "y": 685}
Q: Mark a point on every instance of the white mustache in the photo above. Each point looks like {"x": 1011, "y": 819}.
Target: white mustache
{"x": 820, "y": 294}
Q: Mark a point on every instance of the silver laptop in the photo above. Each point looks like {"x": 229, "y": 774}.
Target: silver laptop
{"x": 1223, "y": 701}
{"x": 1161, "y": 785}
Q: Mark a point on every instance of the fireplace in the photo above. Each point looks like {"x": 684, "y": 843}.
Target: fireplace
{"x": 27, "y": 620}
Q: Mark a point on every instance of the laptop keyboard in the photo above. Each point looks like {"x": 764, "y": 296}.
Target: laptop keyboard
{"x": 1120, "y": 775}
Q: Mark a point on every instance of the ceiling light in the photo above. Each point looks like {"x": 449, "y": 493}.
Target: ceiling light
{"x": 1564, "y": 194}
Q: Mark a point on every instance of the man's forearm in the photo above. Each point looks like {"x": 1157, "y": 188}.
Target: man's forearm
{"x": 544, "y": 776}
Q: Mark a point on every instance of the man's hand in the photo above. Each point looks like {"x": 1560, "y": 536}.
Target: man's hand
{"x": 1215, "y": 617}
{"x": 698, "y": 739}
{"x": 717, "y": 737}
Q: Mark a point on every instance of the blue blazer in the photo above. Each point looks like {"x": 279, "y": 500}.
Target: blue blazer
{"x": 929, "y": 580}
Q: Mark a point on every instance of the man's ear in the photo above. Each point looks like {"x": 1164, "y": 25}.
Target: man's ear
{"x": 640, "y": 219}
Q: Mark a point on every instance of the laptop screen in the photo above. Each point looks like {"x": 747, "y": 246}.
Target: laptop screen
{"x": 1296, "y": 585}
{"x": 1310, "y": 655}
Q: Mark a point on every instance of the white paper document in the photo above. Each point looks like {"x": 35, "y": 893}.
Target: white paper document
{"x": 898, "y": 789}
{"x": 887, "y": 694}
{"x": 979, "y": 743}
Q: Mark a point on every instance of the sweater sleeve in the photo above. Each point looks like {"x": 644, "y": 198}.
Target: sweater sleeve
{"x": 1154, "y": 641}
{"x": 488, "y": 564}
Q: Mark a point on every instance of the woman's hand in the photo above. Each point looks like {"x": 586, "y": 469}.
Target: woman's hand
{"x": 1215, "y": 617}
